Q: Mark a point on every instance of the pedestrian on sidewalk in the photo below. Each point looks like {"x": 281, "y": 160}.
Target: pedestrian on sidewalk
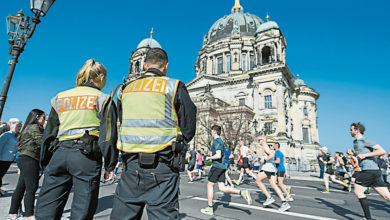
{"x": 28, "y": 162}
{"x": 4, "y": 127}
{"x": 217, "y": 172}
{"x": 370, "y": 175}
{"x": 8, "y": 148}
{"x": 81, "y": 130}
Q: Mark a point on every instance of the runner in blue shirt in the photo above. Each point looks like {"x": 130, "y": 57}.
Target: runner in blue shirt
{"x": 281, "y": 171}
{"x": 227, "y": 154}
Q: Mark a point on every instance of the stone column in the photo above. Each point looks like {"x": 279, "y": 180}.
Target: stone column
{"x": 280, "y": 89}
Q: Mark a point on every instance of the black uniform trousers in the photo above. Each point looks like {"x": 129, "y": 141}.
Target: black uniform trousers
{"x": 156, "y": 188}
{"x": 69, "y": 167}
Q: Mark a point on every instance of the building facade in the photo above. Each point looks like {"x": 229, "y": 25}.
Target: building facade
{"x": 244, "y": 84}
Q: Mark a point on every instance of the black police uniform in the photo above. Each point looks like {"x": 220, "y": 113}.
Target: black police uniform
{"x": 156, "y": 187}
{"x": 67, "y": 166}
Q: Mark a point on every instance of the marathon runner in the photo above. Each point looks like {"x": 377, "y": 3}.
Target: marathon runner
{"x": 217, "y": 172}
{"x": 281, "y": 171}
{"x": 370, "y": 174}
{"x": 245, "y": 153}
{"x": 268, "y": 171}
{"x": 328, "y": 160}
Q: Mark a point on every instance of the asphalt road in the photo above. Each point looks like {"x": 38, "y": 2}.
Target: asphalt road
{"x": 309, "y": 202}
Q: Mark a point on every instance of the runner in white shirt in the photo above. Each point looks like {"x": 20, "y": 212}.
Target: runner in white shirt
{"x": 245, "y": 152}
{"x": 268, "y": 171}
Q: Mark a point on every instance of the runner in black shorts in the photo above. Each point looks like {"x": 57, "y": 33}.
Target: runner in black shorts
{"x": 281, "y": 171}
{"x": 191, "y": 156}
{"x": 217, "y": 172}
{"x": 369, "y": 176}
{"x": 329, "y": 172}
{"x": 268, "y": 170}
{"x": 245, "y": 153}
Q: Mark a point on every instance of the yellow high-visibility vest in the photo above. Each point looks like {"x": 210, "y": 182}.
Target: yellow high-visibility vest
{"x": 79, "y": 111}
{"x": 149, "y": 119}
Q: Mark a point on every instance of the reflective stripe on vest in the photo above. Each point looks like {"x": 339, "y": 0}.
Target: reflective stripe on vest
{"x": 149, "y": 121}
{"x": 79, "y": 110}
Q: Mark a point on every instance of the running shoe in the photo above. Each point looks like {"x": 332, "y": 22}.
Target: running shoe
{"x": 325, "y": 191}
{"x": 269, "y": 201}
{"x": 285, "y": 206}
{"x": 289, "y": 198}
{"x": 208, "y": 210}
{"x": 191, "y": 181}
{"x": 247, "y": 196}
{"x": 236, "y": 182}
{"x": 349, "y": 188}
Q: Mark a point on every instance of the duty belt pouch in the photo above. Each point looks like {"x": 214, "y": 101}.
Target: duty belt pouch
{"x": 89, "y": 146}
{"x": 179, "y": 151}
{"x": 146, "y": 160}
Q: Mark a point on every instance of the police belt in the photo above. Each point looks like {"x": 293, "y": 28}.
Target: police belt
{"x": 145, "y": 160}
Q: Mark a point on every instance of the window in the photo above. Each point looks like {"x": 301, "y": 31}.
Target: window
{"x": 220, "y": 65}
{"x": 305, "y": 134}
{"x": 241, "y": 101}
{"x": 268, "y": 127}
{"x": 266, "y": 55}
{"x": 244, "y": 62}
{"x": 305, "y": 111}
{"x": 268, "y": 101}
{"x": 228, "y": 63}
{"x": 252, "y": 62}
{"x": 235, "y": 57}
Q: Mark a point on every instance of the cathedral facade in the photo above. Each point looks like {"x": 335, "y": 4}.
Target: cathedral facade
{"x": 243, "y": 83}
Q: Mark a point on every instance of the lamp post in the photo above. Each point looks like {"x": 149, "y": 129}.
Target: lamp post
{"x": 18, "y": 27}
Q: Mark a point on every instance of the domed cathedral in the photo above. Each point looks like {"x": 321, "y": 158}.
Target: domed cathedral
{"x": 137, "y": 58}
{"x": 244, "y": 84}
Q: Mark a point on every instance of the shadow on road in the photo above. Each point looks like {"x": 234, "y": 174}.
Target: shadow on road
{"x": 224, "y": 201}
{"x": 379, "y": 205}
{"x": 105, "y": 203}
{"x": 338, "y": 209}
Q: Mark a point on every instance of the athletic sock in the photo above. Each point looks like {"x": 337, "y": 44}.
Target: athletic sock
{"x": 366, "y": 209}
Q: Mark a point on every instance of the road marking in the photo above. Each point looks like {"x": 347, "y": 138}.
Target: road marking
{"x": 306, "y": 187}
{"x": 266, "y": 209}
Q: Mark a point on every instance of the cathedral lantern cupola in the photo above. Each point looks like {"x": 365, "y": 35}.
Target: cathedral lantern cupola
{"x": 137, "y": 58}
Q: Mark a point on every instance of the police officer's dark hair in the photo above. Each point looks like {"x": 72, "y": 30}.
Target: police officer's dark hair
{"x": 217, "y": 128}
{"x": 156, "y": 56}
{"x": 359, "y": 126}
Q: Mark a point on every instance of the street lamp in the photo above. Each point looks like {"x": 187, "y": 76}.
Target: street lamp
{"x": 18, "y": 27}
{"x": 255, "y": 123}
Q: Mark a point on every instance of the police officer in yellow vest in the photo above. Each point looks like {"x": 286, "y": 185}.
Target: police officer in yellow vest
{"x": 81, "y": 129}
{"x": 155, "y": 111}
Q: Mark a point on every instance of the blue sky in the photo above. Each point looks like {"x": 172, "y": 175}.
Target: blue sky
{"x": 339, "y": 48}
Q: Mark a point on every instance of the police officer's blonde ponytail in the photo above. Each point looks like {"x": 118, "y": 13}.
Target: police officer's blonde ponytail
{"x": 90, "y": 73}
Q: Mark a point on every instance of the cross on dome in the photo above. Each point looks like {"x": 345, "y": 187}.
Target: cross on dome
{"x": 237, "y": 7}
